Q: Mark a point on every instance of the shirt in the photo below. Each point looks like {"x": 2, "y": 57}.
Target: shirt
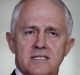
{"x": 18, "y": 72}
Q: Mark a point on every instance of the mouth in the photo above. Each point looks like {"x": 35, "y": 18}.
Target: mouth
{"x": 40, "y": 57}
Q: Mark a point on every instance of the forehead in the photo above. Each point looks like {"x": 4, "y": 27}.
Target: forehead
{"x": 41, "y": 7}
{"x": 41, "y": 11}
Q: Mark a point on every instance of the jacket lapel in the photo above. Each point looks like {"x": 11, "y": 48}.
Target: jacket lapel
{"x": 13, "y": 73}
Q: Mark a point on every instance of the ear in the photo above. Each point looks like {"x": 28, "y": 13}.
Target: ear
{"x": 10, "y": 40}
{"x": 69, "y": 45}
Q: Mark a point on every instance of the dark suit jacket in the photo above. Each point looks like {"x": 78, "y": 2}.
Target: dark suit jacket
{"x": 13, "y": 73}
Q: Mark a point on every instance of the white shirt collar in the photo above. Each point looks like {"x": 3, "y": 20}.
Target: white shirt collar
{"x": 18, "y": 72}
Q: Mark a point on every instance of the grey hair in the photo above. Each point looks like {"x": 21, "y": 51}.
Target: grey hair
{"x": 69, "y": 20}
{"x": 68, "y": 16}
{"x": 15, "y": 15}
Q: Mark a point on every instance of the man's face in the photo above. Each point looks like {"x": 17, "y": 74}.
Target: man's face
{"x": 40, "y": 38}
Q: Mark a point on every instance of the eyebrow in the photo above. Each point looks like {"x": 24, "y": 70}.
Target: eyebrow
{"x": 49, "y": 28}
{"x": 31, "y": 27}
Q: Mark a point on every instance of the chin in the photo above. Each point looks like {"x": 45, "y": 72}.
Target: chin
{"x": 39, "y": 69}
{"x": 39, "y": 72}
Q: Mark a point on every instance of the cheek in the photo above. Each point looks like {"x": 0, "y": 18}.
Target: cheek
{"x": 23, "y": 49}
{"x": 25, "y": 44}
{"x": 23, "y": 52}
{"x": 53, "y": 45}
{"x": 57, "y": 50}
{"x": 22, "y": 60}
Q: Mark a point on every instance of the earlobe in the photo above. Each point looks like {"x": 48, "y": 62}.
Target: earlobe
{"x": 10, "y": 41}
{"x": 69, "y": 45}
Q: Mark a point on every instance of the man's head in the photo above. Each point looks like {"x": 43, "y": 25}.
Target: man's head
{"x": 40, "y": 36}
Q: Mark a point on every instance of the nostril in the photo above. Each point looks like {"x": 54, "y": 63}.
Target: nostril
{"x": 40, "y": 47}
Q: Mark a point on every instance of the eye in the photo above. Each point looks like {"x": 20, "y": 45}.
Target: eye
{"x": 52, "y": 33}
{"x": 29, "y": 32}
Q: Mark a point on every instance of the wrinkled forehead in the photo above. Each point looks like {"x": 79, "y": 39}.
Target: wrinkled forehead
{"x": 41, "y": 12}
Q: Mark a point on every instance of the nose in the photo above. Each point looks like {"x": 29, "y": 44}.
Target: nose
{"x": 40, "y": 42}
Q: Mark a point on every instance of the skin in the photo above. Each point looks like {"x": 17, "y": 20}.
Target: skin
{"x": 40, "y": 40}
